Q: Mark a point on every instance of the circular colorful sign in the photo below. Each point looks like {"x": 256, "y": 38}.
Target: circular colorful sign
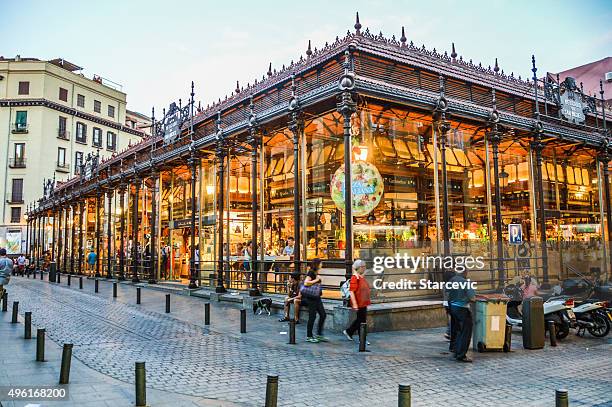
{"x": 367, "y": 187}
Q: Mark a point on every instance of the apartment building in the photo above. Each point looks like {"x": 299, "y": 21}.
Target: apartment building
{"x": 53, "y": 117}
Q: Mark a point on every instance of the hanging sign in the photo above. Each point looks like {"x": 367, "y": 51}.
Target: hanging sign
{"x": 367, "y": 188}
{"x": 572, "y": 105}
{"x": 515, "y": 233}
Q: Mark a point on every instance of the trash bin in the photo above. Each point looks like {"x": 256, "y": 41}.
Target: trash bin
{"x": 52, "y": 271}
{"x": 489, "y": 322}
{"x": 533, "y": 323}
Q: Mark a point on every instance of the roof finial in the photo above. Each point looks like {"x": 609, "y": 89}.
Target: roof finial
{"x": 453, "y": 52}
{"x": 237, "y": 90}
{"x": 309, "y": 50}
{"x": 496, "y": 68}
{"x": 403, "y": 38}
{"x": 270, "y": 69}
{"x": 357, "y": 25}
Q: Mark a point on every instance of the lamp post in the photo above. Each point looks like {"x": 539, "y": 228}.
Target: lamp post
{"x": 253, "y": 140}
{"x": 193, "y": 271}
{"x": 296, "y": 125}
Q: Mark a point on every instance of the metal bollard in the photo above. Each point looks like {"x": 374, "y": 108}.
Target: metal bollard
{"x": 41, "y": 274}
{"x": 114, "y": 290}
{"x": 69, "y": 280}
{"x": 207, "y": 313}
{"x": 363, "y": 332}
{"x": 4, "y": 301}
{"x": 65, "y": 369}
{"x": 242, "y": 321}
{"x": 292, "y": 332}
{"x": 96, "y": 285}
{"x": 80, "y": 283}
{"x": 27, "y": 328}
{"x": 141, "y": 384}
{"x": 40, "y": 345}
{"x": 561, "y": 398}
{"x": 552, "y": 332}
{"x": 15, "y": 312}
{"x": 58, "y": 277}
{"x": 167, "y": 303}
{"x": 137, "y": 295}
{"x": 271, "y": 391}
{"x": 404, "y": 396}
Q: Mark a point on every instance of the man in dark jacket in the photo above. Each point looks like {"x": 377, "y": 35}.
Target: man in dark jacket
{"x": 460, "y": 294}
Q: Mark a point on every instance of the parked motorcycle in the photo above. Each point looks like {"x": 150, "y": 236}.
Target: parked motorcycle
{"x": 594, "y": 317}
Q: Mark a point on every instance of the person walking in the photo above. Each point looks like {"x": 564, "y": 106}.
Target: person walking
{"x": 360, "y": 297}
{"x": 311, "y": 293}
{"x": 6, "y": 269}
{"x": 461, "y": 316}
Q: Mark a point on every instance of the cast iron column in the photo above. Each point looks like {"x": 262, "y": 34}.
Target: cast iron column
{"x": 153, "y": 241}
{"x": 538, "y": 146}
{"x": 109, "y": 236}
{"x": 495, "y": 138}
{"x": 122, "y": 189}
{"x": 221, "y": 157}
{"x": 81, "y": 216}
{"x": 29, "y": 216}
{"x": 72, "y": 234}
{"x": 65, "y": 239}
{"x": 193, "y": 167}
{"x": 255, "y": 264}
{"x": 53, "y": 225}
{"x": 99, "y": 202}
{"x": 60, "y": 244}
{"x": 135, "y": 253}
{"x": 296, "y": 125}
{"x": 605, "y": 160}
{"x": 444, "y": 127}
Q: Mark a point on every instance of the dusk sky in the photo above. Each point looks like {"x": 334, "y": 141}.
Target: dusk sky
{"x": 155, "y": 49}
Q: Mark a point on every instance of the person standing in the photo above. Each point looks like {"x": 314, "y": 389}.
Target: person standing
{"x": 288, "y": 250}
{"x": 6, "y": 269}
{"x": 461, "y": 316}
{"x": 360, "y": 297}
{"x": 92, "y": 257}
{"x": 311, "y": 293}
{"x": 21, "y": 263}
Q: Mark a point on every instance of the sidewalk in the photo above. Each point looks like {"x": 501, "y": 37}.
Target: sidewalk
{"x": 87, "y": 387}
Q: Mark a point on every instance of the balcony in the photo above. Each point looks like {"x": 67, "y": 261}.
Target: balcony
{"x": 18, "y": 162}
{"x": 63, "y": 134}
{"x": 14, "y": 198}
{"x": 63, "y": 167}
{"x": 19, "y": 128}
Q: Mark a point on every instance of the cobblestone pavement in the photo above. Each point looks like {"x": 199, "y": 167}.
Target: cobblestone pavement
{"x": 183, "y": 356}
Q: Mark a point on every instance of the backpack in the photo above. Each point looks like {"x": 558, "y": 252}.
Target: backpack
{"x": 345, "y": 289}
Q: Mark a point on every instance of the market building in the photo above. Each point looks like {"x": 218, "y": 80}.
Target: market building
{"x": 446, "y": 157}
{"x": 54, "y": 119}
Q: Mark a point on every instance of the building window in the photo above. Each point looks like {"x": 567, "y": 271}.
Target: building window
{"x": 111, "y": 141}
{"x": 63, "y": 94}
{"x": 21, "y": 120}
{"x": 61, "y": 128}
{"x": 97, "y": 137}
{"x": 80, "y": 100}
{"x": 78, "y": 161}
{"x": 15, "y": 214}
{"x": 24, "y": 88}
{"x": 81, "y": 134}
{"x": 18, "y": 160}
{"x": 17, "y": 190}
{"x": 97, "y": 106}
{"x": 61, "y": 157}
{"x": 111, "y": 111}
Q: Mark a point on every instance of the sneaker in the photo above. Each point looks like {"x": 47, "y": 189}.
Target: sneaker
{"x": 297, "y": 321}
{"x": 464, "y": 359}
{"x": 447, "y": 337}
{"x": 312, "y": 340}
{"x": 283, "y": 320}
{"x": 348, "y": 337}
{"x": 321, "y": 338}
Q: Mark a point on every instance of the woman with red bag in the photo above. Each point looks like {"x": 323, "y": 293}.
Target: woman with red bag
{"x": 360, "y": 297}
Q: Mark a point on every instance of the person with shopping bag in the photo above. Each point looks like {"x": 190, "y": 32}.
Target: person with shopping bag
{"x": 359, "y": 297}
{"x": 311, "y": 294}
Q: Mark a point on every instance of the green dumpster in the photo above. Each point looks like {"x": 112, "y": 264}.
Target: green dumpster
{"x": 489, "y": 323}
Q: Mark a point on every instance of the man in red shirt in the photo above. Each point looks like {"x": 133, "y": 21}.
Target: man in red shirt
{"x": 360, "y": 297}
